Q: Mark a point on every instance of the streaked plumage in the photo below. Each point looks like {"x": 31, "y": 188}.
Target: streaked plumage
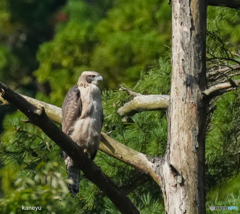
{"x": 82, "y": 118}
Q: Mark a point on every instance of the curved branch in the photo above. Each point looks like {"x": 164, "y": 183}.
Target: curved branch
{"x": 127, "y": 155}
{"x": 144, "y": 103}
{"x": 221, "y": 88}
{"x": 52, "y": 111}
{"x": 90, "y": 169}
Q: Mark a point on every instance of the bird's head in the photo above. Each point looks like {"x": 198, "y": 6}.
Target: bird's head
{"x": 89, "y": 77}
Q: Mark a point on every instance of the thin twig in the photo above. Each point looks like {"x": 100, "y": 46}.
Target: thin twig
{"x": 130, "y": 92}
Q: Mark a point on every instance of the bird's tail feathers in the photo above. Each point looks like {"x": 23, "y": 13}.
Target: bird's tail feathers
{"x": 74, "y": 175}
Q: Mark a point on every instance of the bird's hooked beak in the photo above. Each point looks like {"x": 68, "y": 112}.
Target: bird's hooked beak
{"x": 97, "y": 79}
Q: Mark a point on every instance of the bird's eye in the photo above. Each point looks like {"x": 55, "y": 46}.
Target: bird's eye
{"x": 92, "y": 76}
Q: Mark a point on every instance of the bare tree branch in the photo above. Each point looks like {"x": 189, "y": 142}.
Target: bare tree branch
{"x": 222, "y": 58}
{"x": 127, "y": 155}
{"x": 90, "y": 169}
{"x": 224, "y": 70}
{"x": 144, "y": 103}
{"x": 130, "y": 92}
{"x": 225, "y": 3}
{"x": 221, "y": 74}
{"x": 223, "y": 86}
{"x": 52, "y": 111}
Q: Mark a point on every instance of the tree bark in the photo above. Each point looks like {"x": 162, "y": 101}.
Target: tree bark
{"x": 182, "y": 171}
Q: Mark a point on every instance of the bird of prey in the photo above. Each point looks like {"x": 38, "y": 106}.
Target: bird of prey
{"x": 82, "y": 118}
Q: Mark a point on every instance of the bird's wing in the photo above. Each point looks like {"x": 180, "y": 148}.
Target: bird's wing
{"x": 71, "y": 109}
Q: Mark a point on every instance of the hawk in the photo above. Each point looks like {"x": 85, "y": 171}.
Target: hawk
{"x": 82, "y": 118}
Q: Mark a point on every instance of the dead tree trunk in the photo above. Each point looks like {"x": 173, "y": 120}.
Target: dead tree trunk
{"x": 182, "y": 169}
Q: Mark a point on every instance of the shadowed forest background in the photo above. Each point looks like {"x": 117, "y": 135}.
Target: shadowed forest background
{"x": 44, "y": 47}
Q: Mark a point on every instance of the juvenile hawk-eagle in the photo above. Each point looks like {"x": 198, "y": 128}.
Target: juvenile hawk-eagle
{"x": 82, "y": 118}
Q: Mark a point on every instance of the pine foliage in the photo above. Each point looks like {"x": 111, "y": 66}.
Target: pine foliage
{"x": 222, "y": 143}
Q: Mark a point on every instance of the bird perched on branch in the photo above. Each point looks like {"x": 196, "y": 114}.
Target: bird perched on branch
{"x": 82, "y": 118}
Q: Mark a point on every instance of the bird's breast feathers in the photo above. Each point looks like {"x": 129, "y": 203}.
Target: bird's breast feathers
{"x": 87, "y": 129}
{"x": 91, "y": 101}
